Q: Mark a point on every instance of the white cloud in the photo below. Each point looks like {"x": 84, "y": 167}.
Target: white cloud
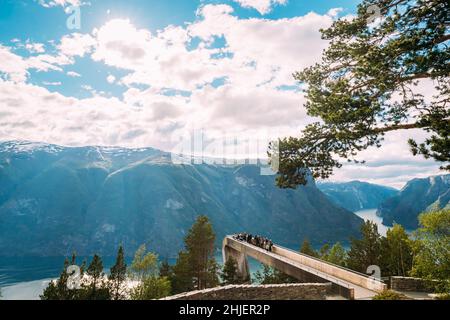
{"x": 49, "y": 83}
{"x": 393, "y": 164}
{"x": 13, "y": 67}
{"x": 272, "y": 49}
{"x": 110, "y": 78}
{"x": 16, "y": 68}
{"x": 257, "y": 58}
{"x": 76, "y": 44}
{"x": 62, "y": 3}
{"x": 73, "y": 74}
{"x": 262, "y": 6}
{"x": 35, "y": 47}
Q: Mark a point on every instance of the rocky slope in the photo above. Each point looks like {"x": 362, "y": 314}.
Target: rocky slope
{"x": 417, "y": 196}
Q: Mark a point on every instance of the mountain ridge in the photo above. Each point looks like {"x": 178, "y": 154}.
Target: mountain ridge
{"x": 55, "y": 200}
{"x": 417, "y": 196}
{"x": 356, "y": 195}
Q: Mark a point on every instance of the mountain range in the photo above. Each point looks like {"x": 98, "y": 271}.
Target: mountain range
{"x": 357, "y": 195}
{"x": 55, "y": 200}
{"x": 417, "y": 196}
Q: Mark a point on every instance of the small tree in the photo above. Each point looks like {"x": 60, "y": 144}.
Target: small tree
{"x": 182, "y": 280}
{"x": 366, "y": 251}
{"x": 152, "y": 287}
{"x": 199, "y": 244}
{"x": 307, "y": 249}
{"x": 196, "y": 268}
{"x": 432, "y": 249}
{"x": 117, "y": 276}
{"x": 59, "y": 289}
{"x": 165, "y": 270}
{"x": 269, "y": 275}
{"x": 337, "y": 255}
{"x": 145, "y": 270}
{"x": 396, "y": 252}
{"x": 97, "y": 286}
{"x": 229, "y": 272}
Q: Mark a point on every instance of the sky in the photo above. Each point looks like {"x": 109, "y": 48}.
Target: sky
{"x": 156, "y": 73}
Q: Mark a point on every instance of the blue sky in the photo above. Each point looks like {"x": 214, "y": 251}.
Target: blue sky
{"x": 147, "y": 72}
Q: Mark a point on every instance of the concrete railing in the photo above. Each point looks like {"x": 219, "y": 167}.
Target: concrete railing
{"x": 341, "y": 273}
{"x": 240, "y": 250}
{"x": 302, "y": 267}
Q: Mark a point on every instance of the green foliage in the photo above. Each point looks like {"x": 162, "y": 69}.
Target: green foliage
{"x": 366, "y": 251}
{"x": 229, "y": 274}
{"x": 145, "y": 269}
{"x": 443, "y": 296}
{"x": 118, "y": 276}
{"x": 390, "y": 295}
{"x": 59, "y": 289}
{"x": 352, "y": 90}
{"x": 145, "y": 264}
{"x": 196, "y": 267}
{"x": 307, "y": 249}
{"x": 432, "y": 249}
{"x": 97, "y": 286}
{"x": 182, "y": 280}
{"x": 269, "y": 275}
{"x": 165, "y": 270}
{"x": 336, "y": 255}
{"x": 396, "y": 252}
{"x": 152, "y": 288}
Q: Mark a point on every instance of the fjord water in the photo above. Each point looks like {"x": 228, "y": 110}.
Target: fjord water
{"x": 371, "y": 215}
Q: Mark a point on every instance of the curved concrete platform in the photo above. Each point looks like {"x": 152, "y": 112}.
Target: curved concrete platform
{"x": 345, "y": 282}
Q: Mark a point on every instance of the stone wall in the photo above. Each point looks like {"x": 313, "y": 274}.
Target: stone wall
{"x": 297, "y": 291}
{"x": 411, "y": 284}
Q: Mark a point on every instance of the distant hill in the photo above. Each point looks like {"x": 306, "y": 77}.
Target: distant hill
{"x": 357, "y": 195}
{"x": 417, "y": 196}
{"x": 55, "y": 200}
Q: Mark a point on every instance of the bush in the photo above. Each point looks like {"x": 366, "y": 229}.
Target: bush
{"x": 390, "y": 295}
{"x": 442, "y": 296}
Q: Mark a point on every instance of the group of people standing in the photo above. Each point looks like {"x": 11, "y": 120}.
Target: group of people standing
{"x": 258, "y": 241}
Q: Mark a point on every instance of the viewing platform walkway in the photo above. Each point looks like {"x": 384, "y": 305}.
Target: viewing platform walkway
{"x": 345, "y": 282}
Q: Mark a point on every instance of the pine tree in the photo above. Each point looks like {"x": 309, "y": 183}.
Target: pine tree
{"x": 366, "y": 86}
{"x": 117, "y": 276}
{"x": 396, "y": 252}
{"x": 165, "y": 270}
{"x": 324, "y": 251}
{"x": 59, "y": 289}
{"x": 196, "y": 267}
{"x": 269, "y": 275}
{"x": 182, "y": 279}
{"x": 337, "y": 255}
{"x": 97, "y": 288}
{"x": 308, "y": 249}
{"x": 366, "y": 251}
{"x": 199, "y": 244}
{"x": 229, "y": 272}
